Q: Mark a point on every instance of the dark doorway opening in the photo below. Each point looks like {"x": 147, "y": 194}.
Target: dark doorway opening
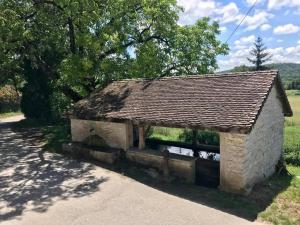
{"x": 207, "y": 173}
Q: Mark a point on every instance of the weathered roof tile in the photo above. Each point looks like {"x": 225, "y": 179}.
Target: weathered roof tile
{"x": 222, "y": 102}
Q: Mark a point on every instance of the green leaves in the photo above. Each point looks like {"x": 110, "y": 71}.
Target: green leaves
{"x": 83, "y": 44}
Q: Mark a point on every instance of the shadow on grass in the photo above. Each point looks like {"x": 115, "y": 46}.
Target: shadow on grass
{"x": 247, "y": 207}
{"x": 32, "y": 179}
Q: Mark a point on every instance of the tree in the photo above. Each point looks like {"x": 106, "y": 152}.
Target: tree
{"x": 72, "y": 47}
{"x": 260, "y": 54}
{"x": 242, "y": 68}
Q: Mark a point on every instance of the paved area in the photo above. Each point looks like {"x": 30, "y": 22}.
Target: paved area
{"x": 45, "y": 188}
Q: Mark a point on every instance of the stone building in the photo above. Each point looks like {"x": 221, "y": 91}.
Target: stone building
{"x": 247, "y": 109}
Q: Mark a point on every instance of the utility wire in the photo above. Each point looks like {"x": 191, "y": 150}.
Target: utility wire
{"x": 237, "y": 27}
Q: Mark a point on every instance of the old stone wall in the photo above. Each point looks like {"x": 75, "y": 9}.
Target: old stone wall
{"x": 182, "y": 167}
{"x": 264, "y": 144}
{"x": 116, "y": 135}
{"x": 248, "y": 159}
{"x": 232, "y": 159}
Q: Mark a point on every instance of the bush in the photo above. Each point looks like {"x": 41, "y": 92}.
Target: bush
{"x": 9, "y": 99}
{"x": 292, "y": 155}
{"x": 59, "y": 104}
{"x": 35, "y": 103}
{"x": 203, "y": 137}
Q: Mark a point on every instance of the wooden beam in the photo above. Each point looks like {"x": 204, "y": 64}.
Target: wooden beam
{"x": 141, "y": 137}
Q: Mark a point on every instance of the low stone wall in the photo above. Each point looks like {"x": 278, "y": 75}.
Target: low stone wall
{"x": 116, "y": 135}
{"x": 182, "y": 167}
{"x": 109, "y": 156}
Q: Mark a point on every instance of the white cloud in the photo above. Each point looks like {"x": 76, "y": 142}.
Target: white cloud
{"x": 258, "y": 19}
{"x": 279, "y": 55}
{"x": 235, "y": 58}
{"x": 228, "y": 13}
{"x": 299, "y": 42}
{"x": 223, "y": 29}
{"x": 195, "y": 9}
{"x": 265, "y": 27}
{"x": 244, "y": 42}
{"x": 251, "y": 2}
{"x": 278, "y": 4}
{"x": 224, "y": 13}
{"x": 286, "y": 29}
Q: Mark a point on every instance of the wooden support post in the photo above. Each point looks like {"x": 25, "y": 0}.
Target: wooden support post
{"x": 165, "y": 166}
{"x": 129, "y": 136}
{"x": 195, "y": 134}
{"x": 195, "y": 142}
{"x": 141, "y": 137}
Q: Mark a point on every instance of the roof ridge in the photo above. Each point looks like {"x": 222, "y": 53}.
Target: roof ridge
{"x": 203, "y": 76}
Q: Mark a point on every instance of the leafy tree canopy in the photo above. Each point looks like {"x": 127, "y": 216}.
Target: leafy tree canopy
{"x": 75, "y": 46}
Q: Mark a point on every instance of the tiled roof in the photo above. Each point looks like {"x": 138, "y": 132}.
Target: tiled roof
{"x": 224, "y": 102}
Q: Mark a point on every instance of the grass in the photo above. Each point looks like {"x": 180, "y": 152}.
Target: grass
{"x": 285, "y": 207}
{"x": 9, "y": 114}
{"x": 166, "y": 134}
{"x": 292, "y": 129}
{"x": 294, "y": 99}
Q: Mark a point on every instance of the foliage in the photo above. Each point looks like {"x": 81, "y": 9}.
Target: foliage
{"x": 203, "y": 137}
{"x": 9, "y": 99}
{"x": 165, "y": 133}
{"x": 290, "y": 74}
{"x": 185, "y": 135}
{"x": 259, "y": 53}
{"x": 55, "y": 136}
{"x": 73, "y": 47}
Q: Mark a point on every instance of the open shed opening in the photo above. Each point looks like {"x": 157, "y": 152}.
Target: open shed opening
{"x": 203, "y": 145}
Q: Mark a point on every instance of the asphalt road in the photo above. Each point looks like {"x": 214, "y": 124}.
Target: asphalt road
{"x": 49, "y": 189}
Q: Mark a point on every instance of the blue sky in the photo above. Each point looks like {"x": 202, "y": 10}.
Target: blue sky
{"x": 276, "y": 21}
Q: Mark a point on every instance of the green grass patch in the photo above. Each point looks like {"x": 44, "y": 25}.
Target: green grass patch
{"x": 184, "y": 135}
{"x": 166, "y": 134}
{"x": 285, "y": 207}
{"x": 292, "y": 92}
{"x": 292, "y": 130}
{"x": 9, "y": 114}
{"x": 295, "y": 104}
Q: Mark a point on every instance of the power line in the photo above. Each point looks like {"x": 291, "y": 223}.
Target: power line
{"x": 237, "y": 27}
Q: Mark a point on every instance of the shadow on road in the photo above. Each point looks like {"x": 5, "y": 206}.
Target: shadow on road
{"x": 31, "y": 179}
{"x": 34, "y": 179}
{"x": 247, "y": 207}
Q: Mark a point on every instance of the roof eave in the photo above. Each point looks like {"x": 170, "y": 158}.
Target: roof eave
{"x": 288, "y": 112}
